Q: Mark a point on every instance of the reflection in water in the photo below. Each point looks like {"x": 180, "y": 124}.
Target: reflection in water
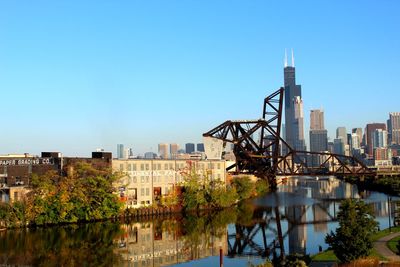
{"x": 295, "y": 219}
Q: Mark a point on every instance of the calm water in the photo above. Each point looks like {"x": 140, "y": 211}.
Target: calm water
{"x": 293, "y": 220}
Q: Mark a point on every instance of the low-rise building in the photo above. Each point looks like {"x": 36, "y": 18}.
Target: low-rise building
{"x": 144, "y": 181}
{"x": 16, "y": 170}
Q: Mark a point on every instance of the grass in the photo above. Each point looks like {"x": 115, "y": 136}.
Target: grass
{"x": 328, "y": 255}
{"x": 385, "y": 232}
{"x": 391, "y": 244}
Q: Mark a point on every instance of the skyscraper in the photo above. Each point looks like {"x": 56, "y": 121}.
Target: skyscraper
{"x": 189, "y": 148}
{"x": 379, "y": 138}
{"x": 120, "y": 151}
{"x": 163, "y": 151}
{"x": 200, "y": 147}
{"x": 317, "y": 119}
{"x": 173, "y": 150}
{"x": 394, "y": 118}
{"x": 342, "y": 134}
{"x": 369, "y": 133}
{"x": 318, "y": 134}
{"x": 294, "y": 119}
{"x": 359, "y": 133}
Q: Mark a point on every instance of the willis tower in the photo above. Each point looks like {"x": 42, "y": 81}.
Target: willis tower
{"x": 294, "y": 115}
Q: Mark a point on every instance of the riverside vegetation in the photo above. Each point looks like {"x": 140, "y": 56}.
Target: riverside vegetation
{"x": 89, "y": 195}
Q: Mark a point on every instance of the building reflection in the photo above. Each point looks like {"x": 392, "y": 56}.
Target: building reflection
{"x": 156, "y": 243}
{"x": 297, "y": 218}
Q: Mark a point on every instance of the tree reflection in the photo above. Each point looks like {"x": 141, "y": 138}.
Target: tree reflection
{"x": 83, "y": 245}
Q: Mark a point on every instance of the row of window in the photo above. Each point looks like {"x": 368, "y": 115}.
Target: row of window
{"x": 166, "y": 166}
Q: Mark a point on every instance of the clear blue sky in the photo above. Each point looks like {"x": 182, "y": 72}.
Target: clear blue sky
{"x": 77, "y": 75}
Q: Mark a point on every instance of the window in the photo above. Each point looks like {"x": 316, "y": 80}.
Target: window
{"x": 121, "y": 167}
{"x": 147, "y": 179}
{"x": 129, "y": 167}
{"x": 134, "y": 180}
{"x": 142, "y": 192}
{"x": 133, "y": 167}
{"x": 142, "y": 179}
{"x": 171, "y": 166}
{"x": 142, "y": 167}
{"x": 147, "y": 167}
{"x": 15, "y": 196}
{"x": 154, "y": 166}
{"x": 166, "y": 166}
{"x": 147, "y": 191}
{"x": 219, "y": 165}
{"x": 159, "y": 166}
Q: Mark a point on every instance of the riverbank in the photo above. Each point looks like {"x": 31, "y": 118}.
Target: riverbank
{"x": 376, "y": 253}
{"x": 388, "y": 185}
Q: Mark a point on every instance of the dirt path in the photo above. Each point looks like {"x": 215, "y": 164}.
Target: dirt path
{"x": 381, "y": 247}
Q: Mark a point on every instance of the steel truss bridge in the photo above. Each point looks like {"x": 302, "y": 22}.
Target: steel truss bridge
{"x": 260, "y": 150}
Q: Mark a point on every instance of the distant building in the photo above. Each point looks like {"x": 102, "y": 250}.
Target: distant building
{"x": 200, "y": 147}
{"x": 355, "y": 141}
{"x": 294, "y": 119}
{"x": 173, "y": 150}
{"x": 359, "y": 133}
{"x": 120, "y": 151}
{"x": 298, "y": 125}
{"x": 338, "y": 146}
{"x": 342, "y": 134}
{"x": 163, "y": 151}
{"x": 318, "y": 140}
{"x": 317, "y": 119}
{"x": 318, "y": 134}
{"x": 394, "y": 118}
{"x": 150, "y": 155}
{"x": 379, "y": 138}
{"x": 369, "y": 132}
{"x": 189, "y": 147}
{"x": 382, "y": 156}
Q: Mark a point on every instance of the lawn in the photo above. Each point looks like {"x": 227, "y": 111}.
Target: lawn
{"x": 328, "y": 255}
{"x": 393, "y": 243}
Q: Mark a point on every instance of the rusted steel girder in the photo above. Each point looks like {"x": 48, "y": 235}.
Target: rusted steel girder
{"x": 263, "y": 157}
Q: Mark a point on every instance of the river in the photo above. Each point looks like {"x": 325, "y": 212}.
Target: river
{"x": 295, "y": 219}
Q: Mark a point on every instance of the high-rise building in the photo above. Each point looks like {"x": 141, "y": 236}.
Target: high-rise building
{"x": 317, "y": 119}
{"x": 120, "y": 151}
{"x": 200, "y": 147}
{"x": 163, "y": 151}
{"x": 189, "y": 147}
{"x": 294, "y": 119}
{"x": 173, "y": 150}
{"x": 394, "y": 118}
{"x": 355, "y": 141}
{"x": 369, "y": 133}
{"x": 342, "y": 133}
{"x": 318, "y": 140}
{"x": 338, "y": 146}
{"x": 318, "y": 134}
{"x": 359, "y": 133}
{"x": 379, "y": 139}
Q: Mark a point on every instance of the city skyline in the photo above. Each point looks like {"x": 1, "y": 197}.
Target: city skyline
{"x": 140, "y": 74}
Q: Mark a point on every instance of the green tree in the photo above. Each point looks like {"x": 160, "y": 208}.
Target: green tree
{"x": 244, "y": 187}
{"x": 352, "y": 239}
{"x": 86, "y": 195}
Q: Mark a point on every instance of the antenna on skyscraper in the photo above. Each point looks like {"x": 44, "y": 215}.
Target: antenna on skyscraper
{"x": 292, "y": 58}
{"x": 285, "y": 63}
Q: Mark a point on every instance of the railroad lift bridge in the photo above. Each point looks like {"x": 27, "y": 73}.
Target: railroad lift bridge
{"x": 260, "y": 150}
